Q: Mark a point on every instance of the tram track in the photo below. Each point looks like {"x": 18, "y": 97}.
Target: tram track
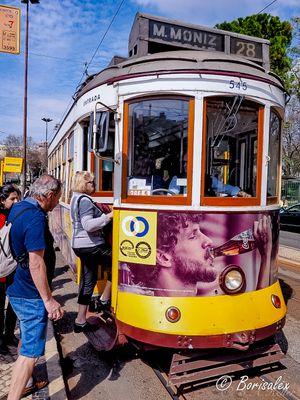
{"x": 285, "y": 394}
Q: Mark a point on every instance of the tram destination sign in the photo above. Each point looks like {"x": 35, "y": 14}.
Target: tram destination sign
{"x": 150, "y": 34}
{"x": 187, "y": 36}
{"x": 203, "y": 39}
{"x": 9, "y": 29}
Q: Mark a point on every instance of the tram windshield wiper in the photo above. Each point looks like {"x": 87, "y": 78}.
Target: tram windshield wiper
{"x": 229, "y": 122}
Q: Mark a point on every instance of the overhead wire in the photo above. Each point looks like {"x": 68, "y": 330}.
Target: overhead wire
{"x": 56, "y": 58}
{"x": 101, "y": 41}
{"x": 93, "y": 56}
{"x": 274, "y": 1}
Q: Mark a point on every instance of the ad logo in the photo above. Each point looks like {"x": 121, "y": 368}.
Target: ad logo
{"x": 126, "y": 248}
{"x": 135, "y": 226}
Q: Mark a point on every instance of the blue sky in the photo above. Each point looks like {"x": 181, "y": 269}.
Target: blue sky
{"x": 64, "y": 35}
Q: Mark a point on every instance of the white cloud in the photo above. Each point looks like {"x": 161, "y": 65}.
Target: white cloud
{"x": 209, "y": 13}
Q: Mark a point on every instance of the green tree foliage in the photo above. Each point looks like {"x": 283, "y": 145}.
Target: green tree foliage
{"x": 291, "y": 140}
{"x": 291, "y": 128}
{"x": 294, "y": 53}
{"x": 266, "y": 26}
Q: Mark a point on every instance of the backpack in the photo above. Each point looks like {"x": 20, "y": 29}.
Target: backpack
{"x": 8, "y": 262}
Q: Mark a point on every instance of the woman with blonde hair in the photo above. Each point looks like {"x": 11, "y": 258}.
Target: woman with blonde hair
{"x": 88, "y": 242}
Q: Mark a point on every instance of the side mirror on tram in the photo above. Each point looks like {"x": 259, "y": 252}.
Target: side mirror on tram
{"x": 98, "y": 132}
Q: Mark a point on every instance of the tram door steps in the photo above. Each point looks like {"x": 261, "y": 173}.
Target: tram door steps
{"x": 192, "y": 366}
{"x": 105, "y": 335}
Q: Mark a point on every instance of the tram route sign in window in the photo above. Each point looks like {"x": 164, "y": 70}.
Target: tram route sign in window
{"x": 9, "y": 30}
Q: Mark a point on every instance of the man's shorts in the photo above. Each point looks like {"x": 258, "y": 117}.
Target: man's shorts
{"x": 33, "y": 319}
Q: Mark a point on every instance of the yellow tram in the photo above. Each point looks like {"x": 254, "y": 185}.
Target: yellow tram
{"x": 184, "y": 138}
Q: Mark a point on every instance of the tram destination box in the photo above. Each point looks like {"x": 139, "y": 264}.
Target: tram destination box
{"x": 150, "y": 34}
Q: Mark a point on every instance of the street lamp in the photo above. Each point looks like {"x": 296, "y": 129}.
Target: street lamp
{"x": 47, "y": 120}
{"x": 25, "y": 92}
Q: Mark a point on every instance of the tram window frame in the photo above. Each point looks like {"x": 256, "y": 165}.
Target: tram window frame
{"x": 50, "y": 163}
{"x": 274, "y": 198}
{"x": 70, "y": 171}
{"x": 158, "y": 199}
{"x": 85, "y": 140}
{"x": 63, "y": 169}
{"x": 206, "y": 200}
{"x": 103, "y": 164}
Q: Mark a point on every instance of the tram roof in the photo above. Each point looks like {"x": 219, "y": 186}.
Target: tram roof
{"x": 181, "y": 61}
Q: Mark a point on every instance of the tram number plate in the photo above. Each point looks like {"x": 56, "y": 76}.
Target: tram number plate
{"x": 240, "y": 85}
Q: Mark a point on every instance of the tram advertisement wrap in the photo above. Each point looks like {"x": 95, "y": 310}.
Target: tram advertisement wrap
{"x": 168, "y": 253}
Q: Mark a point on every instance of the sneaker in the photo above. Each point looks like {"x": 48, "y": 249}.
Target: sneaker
{"x": 86, "y": 327}
{"x": 11, "y": 340}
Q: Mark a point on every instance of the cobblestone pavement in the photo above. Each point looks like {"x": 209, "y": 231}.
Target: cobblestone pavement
{"x": 6, "y": 365}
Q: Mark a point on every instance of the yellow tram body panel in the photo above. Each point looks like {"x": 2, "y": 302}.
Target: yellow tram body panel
{"x": 202, "y": 315}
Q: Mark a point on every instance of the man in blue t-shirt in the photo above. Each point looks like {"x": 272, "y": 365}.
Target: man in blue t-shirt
{"x": 30, "y": 293}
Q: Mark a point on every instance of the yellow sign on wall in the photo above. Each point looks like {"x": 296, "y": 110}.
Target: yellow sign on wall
{"x": 9, "y": 29}
{"x": 138, "y": 237}
{"x": 12, "y": 164}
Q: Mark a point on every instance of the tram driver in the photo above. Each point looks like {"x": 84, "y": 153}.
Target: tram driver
{"x": 212, "y": 185}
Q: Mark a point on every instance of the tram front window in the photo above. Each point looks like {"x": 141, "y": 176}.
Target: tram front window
{"x": 274, "y": 155}
{"x": 157, "y": 134}
{"x": 231, "y": 147}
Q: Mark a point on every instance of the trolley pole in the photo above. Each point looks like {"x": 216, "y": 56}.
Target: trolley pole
{"x": 25, "y": 94}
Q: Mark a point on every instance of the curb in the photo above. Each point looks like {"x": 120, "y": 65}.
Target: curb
{"x": 56, "y": 387}
{"x": 288, "y": 263}
{"x": 289, "y": 257}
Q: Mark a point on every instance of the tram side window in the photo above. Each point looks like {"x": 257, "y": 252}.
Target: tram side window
{"x": 70, "y": 166}
{"x": 274, "y": 155}
{"x": 157, "y": 135}
{"x": 102, "y": 168}
{"x": 64, "y": 149}
{"x": 85, "y": 147}
{"x": 231, "y": 147}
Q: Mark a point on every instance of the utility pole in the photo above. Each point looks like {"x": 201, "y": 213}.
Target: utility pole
{"x": 25, "y": 93}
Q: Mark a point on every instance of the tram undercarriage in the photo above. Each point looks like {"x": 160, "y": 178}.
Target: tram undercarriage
{"x": 228, "y": 353}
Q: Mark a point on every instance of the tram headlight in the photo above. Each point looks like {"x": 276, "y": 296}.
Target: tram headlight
{"x": 232, "y": 279}
{"x": 173, "y": 314}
